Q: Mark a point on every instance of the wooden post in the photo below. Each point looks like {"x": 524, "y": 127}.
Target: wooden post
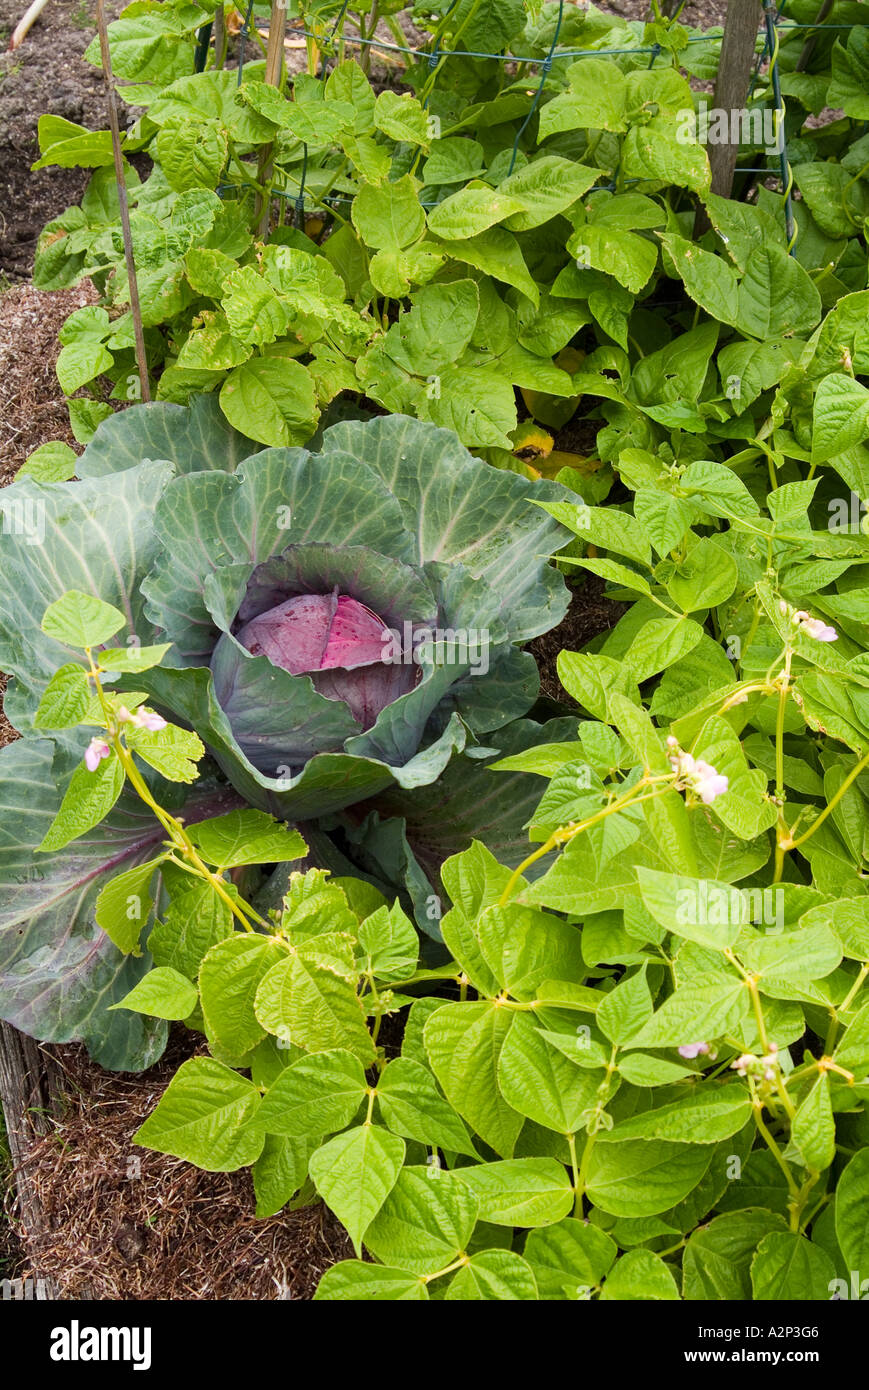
{"x": 25, "y": 1093}
{"x": 731, "y": 90}
{"x": 272, "y": 77}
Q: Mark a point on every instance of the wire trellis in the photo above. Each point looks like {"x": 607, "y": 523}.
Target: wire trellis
{"x": 434, "y": 56}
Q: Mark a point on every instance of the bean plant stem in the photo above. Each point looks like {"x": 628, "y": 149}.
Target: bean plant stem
{"x": 836, "y": 1013}
{"x": 123, "y": 205}
{"x": 174, "y": 828}
{"x": 834, "y": 800}
{"x": 763, "y": 1035}
{"x": 373, "y": 21}
{"x": 763, "y": 1130}
{"x": 783, "y": 693}
{"x": 565, "y": 833}
{"x": 574, "y": 1165}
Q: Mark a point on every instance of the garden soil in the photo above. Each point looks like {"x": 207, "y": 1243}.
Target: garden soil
{"x": 47, "y": 73}
{"x": 127, "y": 1223}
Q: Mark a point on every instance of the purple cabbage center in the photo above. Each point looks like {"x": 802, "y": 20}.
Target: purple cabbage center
{"x": 349, "y": 652}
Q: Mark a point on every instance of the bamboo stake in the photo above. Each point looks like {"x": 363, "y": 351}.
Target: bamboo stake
{"x": 123, "y": 204}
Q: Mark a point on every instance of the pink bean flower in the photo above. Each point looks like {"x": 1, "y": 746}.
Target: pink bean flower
{"x": 815, "y": 627}
{"x": 143, "y": 719}
{"x": 96, "y": 750}
{"x": 696, "y": 775}
{"x": 147, "y": 719}
{"x": 742, "y": 1065}
{"x": 692, "y": 1050}
{"x": 708, "y": 783}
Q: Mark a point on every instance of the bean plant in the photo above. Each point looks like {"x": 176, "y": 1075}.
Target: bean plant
{"x": 545, "y": 997}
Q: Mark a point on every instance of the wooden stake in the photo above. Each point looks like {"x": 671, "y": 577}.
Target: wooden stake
{"x": 123, "y": 205}
{"x": 273, "y": 75}
{"x": 731, "y": 91}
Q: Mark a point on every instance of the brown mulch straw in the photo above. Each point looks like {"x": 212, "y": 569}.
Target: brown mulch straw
{"x": 33, "y": 408}
{"x": 7, "y": 733}
{"x": 127, "y": 1223}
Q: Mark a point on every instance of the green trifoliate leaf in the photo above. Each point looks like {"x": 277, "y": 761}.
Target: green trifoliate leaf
{"x": 354, "y": 1174}
{"x": 81, "y": 620}
{"x": 389, "y": 218}
{"x": 425, "y": 1223}
{"x": 569, "y": 1258}
{"x": 309, "y": 997}
{"x": 853, "y": 1050}
{"x": 314, "y": 1096}
{"x": 389, "y": 944}
{"x": 271, "y": 399}
{"x": 228, "y": 981}
{"x": 246, "y": 837}
{"x": 541, "y": 1082}
{"x": 852, "y": 1211}
{"x": 412, "y": 1105}
{"x": 520, "y": 1191}
{"x": 472, "y": 210}
{"x": 645, "y": 1176}
{"x": 206, "y": 1116}
{"x": 132, "y": 658}
{"x": 849, "y": 920}
{"x": 66, "y": 699}
{"x": 464, "y": 1042}
{"x": 810, "y": 953}
{"x": 640, "y": 1275}
{"x": 523, "y": 947}
{"x": 841, "y": 416}
{"x": 717, "y": 1260}
{"x": 596, "y": 100}
{"x": 789, "y": 1267}
{"x": 813, "y": 1129}
{"x": 547, "y": 186}
{"x": 195, "y": 920}
{"x": 704, "y": 1117}
{"x": 701, "y": 910}
{"x": 623, "y": 1011}
{"x": 88, "y": 799}
{"x": 641, "y": 1069}
{"x": 162, "y": 993}
{"x": 279, "y": 1172}
{"x": 54, "y": 462}
{"x": 355, "y": 1281}
{"x": 124, "y": 905}
{"x": 402, "y": 118}
{"x": 173, "y": 752}
{"x": 696, "y": 1012}
{"x": 495, "y": 1276}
